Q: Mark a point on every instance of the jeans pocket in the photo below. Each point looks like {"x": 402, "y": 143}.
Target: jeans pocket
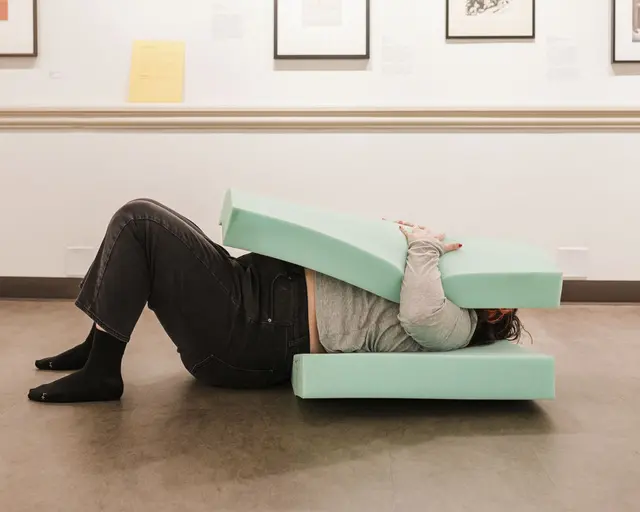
{"x": 218, "y": 373}
{"x": 259, "y": 357}
{"x": 283, "y": 296}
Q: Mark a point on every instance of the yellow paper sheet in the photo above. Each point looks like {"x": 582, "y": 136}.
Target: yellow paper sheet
{"x": 157, "y": 72}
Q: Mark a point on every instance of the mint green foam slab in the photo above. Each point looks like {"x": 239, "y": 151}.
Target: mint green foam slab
{"x": 502, "y": 371}
{"x": 371, "y": 254}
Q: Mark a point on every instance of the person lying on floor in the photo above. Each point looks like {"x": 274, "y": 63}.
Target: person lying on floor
{"x": 238, "y": 322}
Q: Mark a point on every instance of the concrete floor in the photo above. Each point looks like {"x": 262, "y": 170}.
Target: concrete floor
{"x": 171, "y": 444}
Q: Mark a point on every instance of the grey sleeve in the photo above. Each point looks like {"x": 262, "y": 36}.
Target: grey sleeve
{"x": 425, "y": 313}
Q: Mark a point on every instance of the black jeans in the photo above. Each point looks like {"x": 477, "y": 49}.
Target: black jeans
{"x": 237, "y": 322}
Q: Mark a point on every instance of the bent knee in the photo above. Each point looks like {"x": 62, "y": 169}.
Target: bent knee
{"x": 137, "y": 209}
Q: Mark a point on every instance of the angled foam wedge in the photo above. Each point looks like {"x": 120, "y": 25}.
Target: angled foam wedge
{"x": 371, "y": 253}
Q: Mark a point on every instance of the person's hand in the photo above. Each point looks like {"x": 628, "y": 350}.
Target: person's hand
{"x": 420, "y": 232}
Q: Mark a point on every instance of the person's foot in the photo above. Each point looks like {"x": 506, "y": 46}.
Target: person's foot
{"x": 73, "y": 359}
{"x": 79, "y": 387}
{"x": 99, "y": 380}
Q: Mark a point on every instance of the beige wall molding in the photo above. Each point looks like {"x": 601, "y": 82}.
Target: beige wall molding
{"x": 322, "y": 120}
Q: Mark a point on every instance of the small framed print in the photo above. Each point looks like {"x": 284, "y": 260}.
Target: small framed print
{"x": 626, "y": 31}
{"x": 491, "y": 19}
{"x": 18, "y": 28}
{"x": 321, "y": 29}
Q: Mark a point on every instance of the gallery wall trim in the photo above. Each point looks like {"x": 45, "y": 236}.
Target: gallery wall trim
{"x": 390, "y": 120}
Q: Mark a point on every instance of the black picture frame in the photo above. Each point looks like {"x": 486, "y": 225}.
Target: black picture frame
{"x": 527, "y": 37}
{"x": 33, "y": 53}
{"x": 283, "y": 56}
{"x": 614, "y": 59}
{"x": 613, "y": 35}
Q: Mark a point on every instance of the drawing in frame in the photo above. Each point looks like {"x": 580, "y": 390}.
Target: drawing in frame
{"x": 321, "y": 29}
{"x": 491, "y": 19}
{"x": 18, "y": 28}
{"x": 625, "y": 32}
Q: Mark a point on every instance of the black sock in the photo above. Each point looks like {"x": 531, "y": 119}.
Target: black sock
{"x": 99, "y": 380}
{"x": 73, "y": 359}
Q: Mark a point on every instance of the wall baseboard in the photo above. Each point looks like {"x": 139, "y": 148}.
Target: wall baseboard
{"x": 39, "y": 287}
{"x": 601, "y": 292}
{"x": 573, "y": 291}
{"x": 388, "y": 119}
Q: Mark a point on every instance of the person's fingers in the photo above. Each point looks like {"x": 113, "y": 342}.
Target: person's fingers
{"x": 452, "y": 247}
{"x": 404, "y": 232}
{"x": 439, "y": 236}
{"x": 412, "y": 225}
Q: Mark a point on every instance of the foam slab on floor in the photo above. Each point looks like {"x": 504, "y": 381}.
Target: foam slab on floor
{"x": 502, "y": 371}
{"x": 371, "y": 253}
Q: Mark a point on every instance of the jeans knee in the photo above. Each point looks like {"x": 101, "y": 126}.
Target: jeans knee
{"x": 136, "y": 209}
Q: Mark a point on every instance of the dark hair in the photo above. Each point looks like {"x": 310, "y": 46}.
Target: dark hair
{"x": 509, "y": 327}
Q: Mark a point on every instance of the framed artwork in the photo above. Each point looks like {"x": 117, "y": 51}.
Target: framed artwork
{"x": 491, "y": 19}
{"x": 18, "y": 28}
{"x": 321, "y": 29}
{"x": 626, "y": 31}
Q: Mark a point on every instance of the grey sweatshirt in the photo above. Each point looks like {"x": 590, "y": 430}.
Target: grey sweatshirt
{"x": 351, "y": 319}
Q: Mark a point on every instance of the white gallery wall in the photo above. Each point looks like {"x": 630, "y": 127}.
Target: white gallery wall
{"x": 86, "y": 48}
{"x": 59, "y": 188}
